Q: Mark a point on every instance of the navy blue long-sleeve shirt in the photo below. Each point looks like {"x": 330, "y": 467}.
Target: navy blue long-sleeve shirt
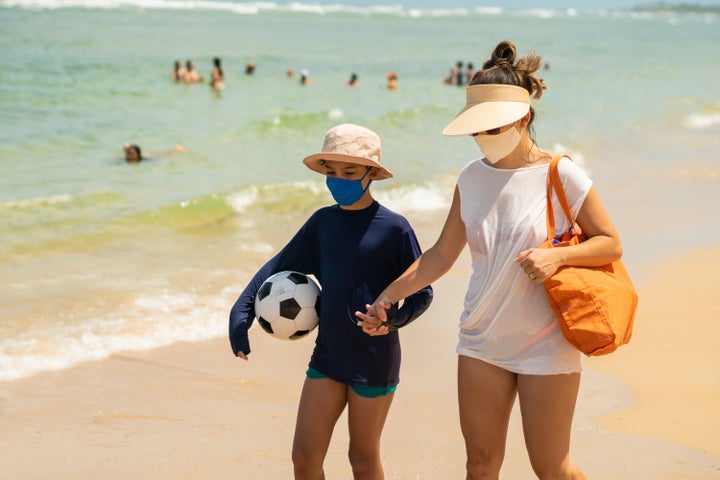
{"x": 354, "y": 254}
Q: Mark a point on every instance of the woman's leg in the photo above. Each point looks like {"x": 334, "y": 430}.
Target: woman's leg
{"x": 547, "y": 403}
{"x": 366, "y": 419}
{"x": 486, "y": 395}
{"x": 321, "y": 404}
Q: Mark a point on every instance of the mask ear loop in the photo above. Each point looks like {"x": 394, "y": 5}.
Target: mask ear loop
{"x": 366, "y": 173}
{"x": 363, "y": 178}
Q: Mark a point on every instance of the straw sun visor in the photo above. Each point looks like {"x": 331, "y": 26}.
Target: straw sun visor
{"x": 489, "y": 106}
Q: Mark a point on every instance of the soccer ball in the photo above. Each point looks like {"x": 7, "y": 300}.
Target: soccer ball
{"x": 287, "y": 306}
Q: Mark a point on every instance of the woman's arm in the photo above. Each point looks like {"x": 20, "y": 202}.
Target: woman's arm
{"x": 430, "y": 266}
{"x": 602, "y": 244}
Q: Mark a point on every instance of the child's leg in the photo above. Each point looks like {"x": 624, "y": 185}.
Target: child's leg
{"x": 321, "y": 403}
{"x": 366, "y": 419}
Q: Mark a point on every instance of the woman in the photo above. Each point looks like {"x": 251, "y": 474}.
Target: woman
{"x": 510, "y": 343}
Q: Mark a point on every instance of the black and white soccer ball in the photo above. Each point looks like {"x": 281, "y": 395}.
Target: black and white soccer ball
{"x": 287, "y": 306}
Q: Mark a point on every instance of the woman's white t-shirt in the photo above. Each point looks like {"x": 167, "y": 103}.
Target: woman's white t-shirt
{"x": 507, "y": 320}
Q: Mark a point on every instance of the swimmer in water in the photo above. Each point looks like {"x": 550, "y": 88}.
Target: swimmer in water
{"x": 133, "y": 153}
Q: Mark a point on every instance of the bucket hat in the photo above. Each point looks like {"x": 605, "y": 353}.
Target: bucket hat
{"x": 352, "y": 144}
{"x": 489, "y": 106}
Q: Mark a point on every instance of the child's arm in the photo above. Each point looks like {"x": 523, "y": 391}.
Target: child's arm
{"x": 296, "y": 255}
{"x": 412, "y": 307}
{"x": 242, "y": 313}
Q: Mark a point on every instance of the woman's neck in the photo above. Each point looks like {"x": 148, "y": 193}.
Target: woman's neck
{"x": 526, "y": 154}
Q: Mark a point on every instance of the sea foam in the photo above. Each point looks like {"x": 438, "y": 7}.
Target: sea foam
{"x": 702, "y": 120}
{"x": 151, "y": 321}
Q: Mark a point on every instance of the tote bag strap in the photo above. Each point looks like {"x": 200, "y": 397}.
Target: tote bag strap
{"x": 555, "y": 183}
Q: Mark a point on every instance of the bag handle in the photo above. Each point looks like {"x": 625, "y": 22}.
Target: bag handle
{"x": 554, "y": 182}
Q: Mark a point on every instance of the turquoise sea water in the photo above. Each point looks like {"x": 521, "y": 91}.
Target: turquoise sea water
{"x": 98, "y": 256}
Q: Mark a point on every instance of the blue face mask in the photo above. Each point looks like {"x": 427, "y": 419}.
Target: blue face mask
{"x": 346, "y": 192}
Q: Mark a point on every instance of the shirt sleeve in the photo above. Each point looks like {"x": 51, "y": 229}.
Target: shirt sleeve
{"x": 299, "y": 255}
{"x": 414, "y": 305}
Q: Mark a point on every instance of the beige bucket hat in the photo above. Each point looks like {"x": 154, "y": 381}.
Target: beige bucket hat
{"x": 349, "y": 143}
{"x": 489, "y": 106}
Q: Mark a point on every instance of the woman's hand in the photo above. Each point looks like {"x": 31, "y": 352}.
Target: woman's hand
{"x": 539, "y": 264}
{"x": 374, "y": 321}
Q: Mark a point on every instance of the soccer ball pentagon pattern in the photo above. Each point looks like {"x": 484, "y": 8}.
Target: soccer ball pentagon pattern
{"x": 287, "y": 306}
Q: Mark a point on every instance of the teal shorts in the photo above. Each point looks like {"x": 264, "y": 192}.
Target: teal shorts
{"x": 362, "y": 390}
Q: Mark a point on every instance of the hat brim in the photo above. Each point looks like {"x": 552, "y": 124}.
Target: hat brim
{"x": 481, "y": 117}
{"x": 314, "y": 162}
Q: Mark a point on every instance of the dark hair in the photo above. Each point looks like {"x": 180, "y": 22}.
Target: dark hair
{"x": 137, "y": 149}
{"x": 216, "y": 62}
{"x": 178, "y": 65}
{"x": 503, "y": 68}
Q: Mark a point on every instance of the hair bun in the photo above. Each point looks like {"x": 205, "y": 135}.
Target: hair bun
{"x": 504, "y": 67}
{"x": 504, "y": 53}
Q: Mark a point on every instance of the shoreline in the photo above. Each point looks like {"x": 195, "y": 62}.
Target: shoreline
{"x": 192, "y": 410}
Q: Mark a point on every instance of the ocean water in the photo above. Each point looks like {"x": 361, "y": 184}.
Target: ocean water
{"x": 99, "y": 256}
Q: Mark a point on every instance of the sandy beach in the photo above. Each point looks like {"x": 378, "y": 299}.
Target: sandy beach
{"x": 193, "y": 411}
{"x": 116, "y": 279}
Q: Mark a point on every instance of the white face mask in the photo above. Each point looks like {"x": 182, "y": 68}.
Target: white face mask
{"x": 496, "y": 147}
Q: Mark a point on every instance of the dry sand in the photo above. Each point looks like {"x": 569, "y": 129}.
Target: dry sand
{"x": 193, "y": 411}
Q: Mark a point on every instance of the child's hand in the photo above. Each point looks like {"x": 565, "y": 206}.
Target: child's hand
{"x": 374, "y": 321}
{"x": 241, "y": 355}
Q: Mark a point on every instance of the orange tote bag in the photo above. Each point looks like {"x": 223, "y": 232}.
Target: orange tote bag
{"x": 595, "y": 306}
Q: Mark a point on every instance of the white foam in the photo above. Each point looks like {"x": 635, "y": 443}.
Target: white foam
{"x": 240, "y": 201}
{"x": 32, "y": 202}
{"x": 239, "y": 8}
{"x": 423, "y": 197}
{"x": 254, "y": 8}
{"x": 541, "y": 13}
{"x": 335, "y": 114}
{"x": 702, "y": 120}
{"x": 489, "y": 10}
{"x": 151, "y": 321}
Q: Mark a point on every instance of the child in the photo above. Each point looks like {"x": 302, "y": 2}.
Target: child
{"x": 355, "y": 249}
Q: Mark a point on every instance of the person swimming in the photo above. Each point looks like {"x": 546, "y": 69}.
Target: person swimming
{"x": 178, "y": 73}
{"x": 392, "y": 80}
{"x": 192, "y": 75}
{"x": 217, "y": 78}
{"x": 133, "y": 153}
{"x": 305, "y": 77}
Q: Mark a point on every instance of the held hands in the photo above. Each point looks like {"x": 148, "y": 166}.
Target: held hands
{"x": 539, "y": 264}
{"x": 374, "y": 321}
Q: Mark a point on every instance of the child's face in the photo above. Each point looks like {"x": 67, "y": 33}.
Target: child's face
{"x": 348, "y": 171}
{"x": 348, "y": 183}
